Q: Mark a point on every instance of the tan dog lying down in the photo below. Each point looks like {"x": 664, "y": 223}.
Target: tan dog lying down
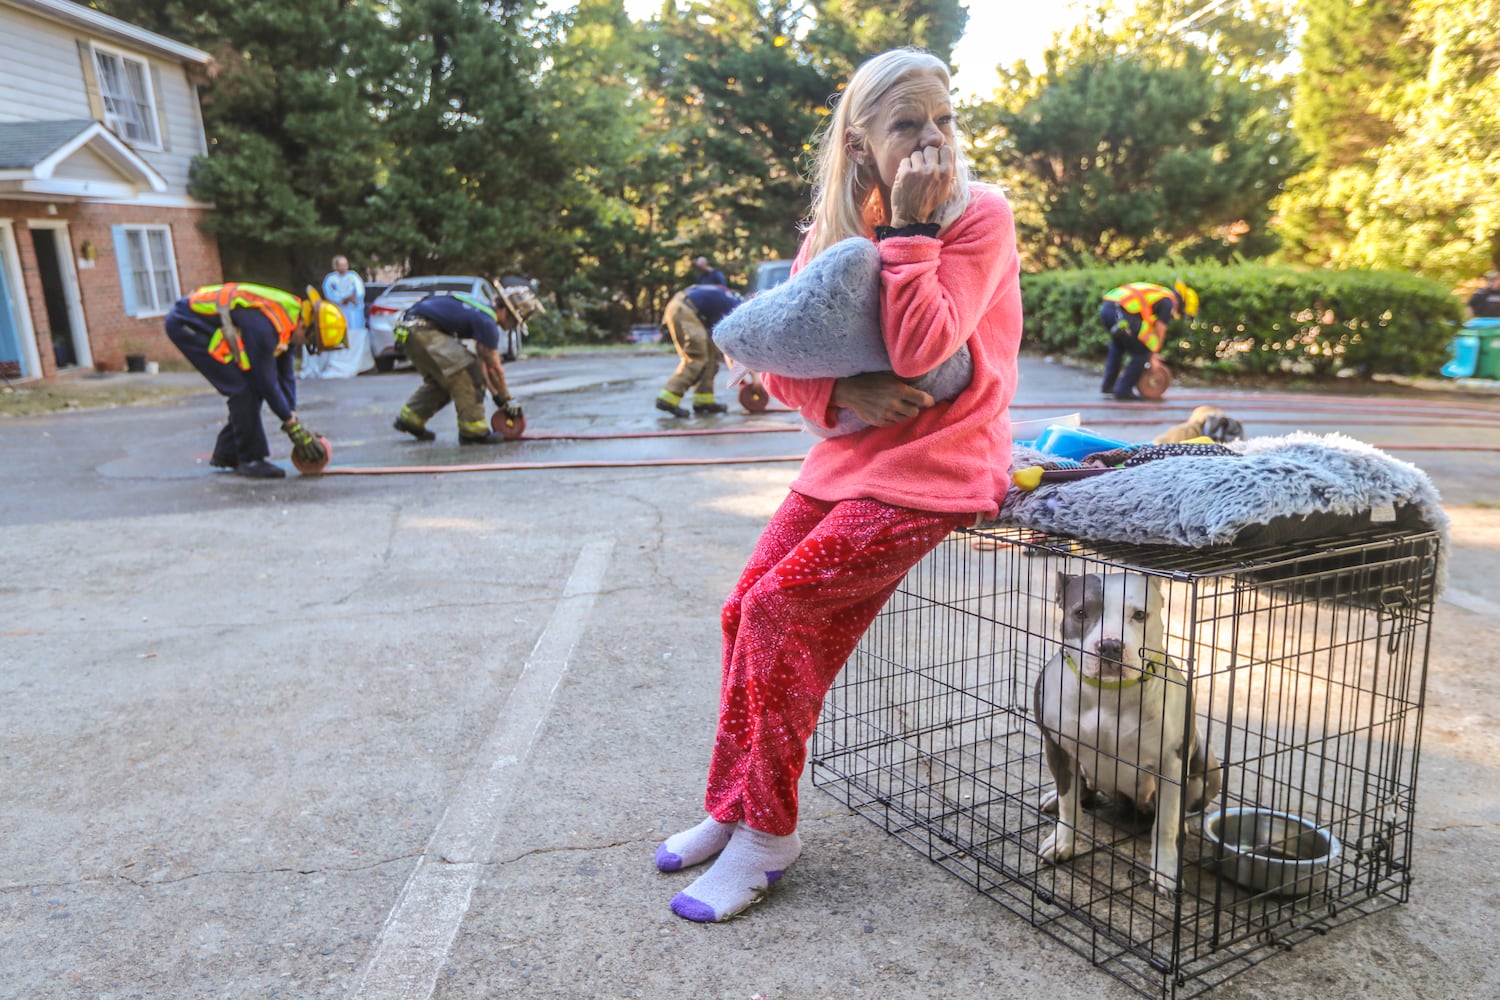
{"x": 1205, "y": 421}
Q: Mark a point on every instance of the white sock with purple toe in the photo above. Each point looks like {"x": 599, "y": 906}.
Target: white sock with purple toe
{"x": 694, "y": 846}
{"x": 750, "y": 863}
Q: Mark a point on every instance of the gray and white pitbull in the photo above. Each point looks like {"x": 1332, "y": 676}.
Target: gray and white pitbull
{"x": 1116, "y": 717}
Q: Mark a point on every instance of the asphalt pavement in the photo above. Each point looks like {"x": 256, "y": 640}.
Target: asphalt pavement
{"x": 381, "y": 734}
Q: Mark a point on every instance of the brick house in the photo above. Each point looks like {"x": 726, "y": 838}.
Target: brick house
{"x": 99, "y": 121}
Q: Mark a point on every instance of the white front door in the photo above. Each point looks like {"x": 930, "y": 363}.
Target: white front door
{"x": 18, "y": 357}
{"x": 64, "y": 307}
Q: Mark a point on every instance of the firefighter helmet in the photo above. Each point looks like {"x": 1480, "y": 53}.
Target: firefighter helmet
{"x": 520, "y": 301}
{"x": 327, "y": 327}
{"x": 1186, "y": 297}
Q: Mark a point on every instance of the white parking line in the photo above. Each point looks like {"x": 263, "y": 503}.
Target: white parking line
{"x": 1472, "y": 602}
{"x": 414, "y": 943}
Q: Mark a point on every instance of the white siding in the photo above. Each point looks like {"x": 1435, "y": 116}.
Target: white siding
{"x": 40, "y": 74}
{"x": 41, "y": 78}
{"x": 87, "y": 165}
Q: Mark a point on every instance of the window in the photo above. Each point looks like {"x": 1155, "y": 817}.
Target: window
{"x": 148, "y": 272}
{"x": 129, "y": 105}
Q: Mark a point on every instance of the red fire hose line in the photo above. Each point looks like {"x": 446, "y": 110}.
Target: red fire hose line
{"x": 1475, "y": 404}
{"x": 396, "y": 470}
{"x": 1437, "y": 447}
{"x": 1318, "y": 404}
{"x": 1330, "y": 405}
{"x": 1355, "y": 420}
{"x": 1142, "y": 421}
{"x": 705, "y": 432}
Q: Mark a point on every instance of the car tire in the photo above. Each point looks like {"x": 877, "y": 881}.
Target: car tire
{"x": 512, "y": 346}
{"x": 385, "y": 363}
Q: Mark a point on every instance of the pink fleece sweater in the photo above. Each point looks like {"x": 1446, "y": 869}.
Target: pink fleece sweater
{"x": 935, "y": 295}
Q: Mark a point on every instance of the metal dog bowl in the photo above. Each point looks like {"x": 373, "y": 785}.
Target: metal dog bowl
{"x": 1272, "y": 851}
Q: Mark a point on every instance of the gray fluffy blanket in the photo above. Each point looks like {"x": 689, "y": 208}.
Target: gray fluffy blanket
{"x": 1322, "y": 480}
{"x": 824, "y": 322}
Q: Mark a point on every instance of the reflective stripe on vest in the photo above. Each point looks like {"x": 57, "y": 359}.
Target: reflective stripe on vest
{"x": 1143, "y": 297}
{"x": 479, "y": 304}
{"x": 283, "y": 309}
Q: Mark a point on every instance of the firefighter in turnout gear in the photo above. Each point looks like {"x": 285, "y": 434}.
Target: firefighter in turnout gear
{"x": 241, "y": 338}
{"x": 1135, "y": 316}
{"x": 690, "y": 318}
{"x": 432, "y": 332}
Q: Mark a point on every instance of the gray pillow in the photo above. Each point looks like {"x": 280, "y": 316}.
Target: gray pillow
{"x": 824, "y": 322}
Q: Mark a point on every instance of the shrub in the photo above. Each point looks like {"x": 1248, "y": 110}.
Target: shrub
{"x": 1260, "y": 320}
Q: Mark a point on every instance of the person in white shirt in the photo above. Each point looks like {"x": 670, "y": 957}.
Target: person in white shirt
{"x": 345, "y": 289}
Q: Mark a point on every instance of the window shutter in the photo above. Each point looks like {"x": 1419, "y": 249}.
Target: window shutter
{"x": 122, "y": 264}
{"x": 157, "y": 102}
{"x": 91, "y": 80}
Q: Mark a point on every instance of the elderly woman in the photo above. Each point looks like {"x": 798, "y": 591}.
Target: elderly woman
{"x": 346, "y": 289}
{"x": 866, "y": 506}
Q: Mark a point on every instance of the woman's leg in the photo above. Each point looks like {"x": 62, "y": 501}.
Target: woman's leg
{"x": 797, "y": 516}
{"x": 796, "y": 626}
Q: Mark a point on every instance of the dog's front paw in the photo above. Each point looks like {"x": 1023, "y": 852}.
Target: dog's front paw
{"x": 1049, "y": 803}
{"x": 1164, "y": 884}
{"x": 1058, "y": 847}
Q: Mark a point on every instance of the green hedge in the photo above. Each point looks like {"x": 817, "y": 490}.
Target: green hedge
{"x": 1260, "y": 320}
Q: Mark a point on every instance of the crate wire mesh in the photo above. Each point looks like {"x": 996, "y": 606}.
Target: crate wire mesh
{"x": 1306, "y": 663}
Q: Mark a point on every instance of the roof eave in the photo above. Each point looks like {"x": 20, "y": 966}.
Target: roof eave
{"x": 112, "y": 27}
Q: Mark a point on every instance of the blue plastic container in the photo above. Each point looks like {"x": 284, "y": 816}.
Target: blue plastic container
{"x": 1463, "y": 360}
{"x": 1073, "y": 442}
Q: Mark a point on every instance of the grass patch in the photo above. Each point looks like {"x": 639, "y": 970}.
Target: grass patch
{"x": 92, "y": 392}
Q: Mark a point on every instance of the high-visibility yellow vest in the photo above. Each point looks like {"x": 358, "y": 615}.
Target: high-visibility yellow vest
{"x": 283, "y": 309}
{"x": 476, "y": 303}
{"x": 1141, "y": 298}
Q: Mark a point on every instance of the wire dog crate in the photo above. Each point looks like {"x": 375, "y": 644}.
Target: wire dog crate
{"x": 1306, "y": 664}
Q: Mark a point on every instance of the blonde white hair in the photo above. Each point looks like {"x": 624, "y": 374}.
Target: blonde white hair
{"x": 842, "y": 192}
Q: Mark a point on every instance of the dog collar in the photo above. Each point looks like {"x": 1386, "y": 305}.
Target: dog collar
{"x": 1150, "y": 669}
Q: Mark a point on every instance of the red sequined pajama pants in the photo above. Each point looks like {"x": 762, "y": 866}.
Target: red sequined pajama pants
{"x": 817, "y": 578}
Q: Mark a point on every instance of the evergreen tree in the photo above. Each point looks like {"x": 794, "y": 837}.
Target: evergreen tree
{"x": 291, "y": 143}
{"x": 470, "y": 166}
{"x": 847, "y": 32}
{"x": 1397, "y": 101}
{"x": 739, "y": 101}
{"x": 1354, "y": 57}
{"x": 611, "y": 250}
{"x": 1138, "y": 144}
{"x": 1434, "y": 199}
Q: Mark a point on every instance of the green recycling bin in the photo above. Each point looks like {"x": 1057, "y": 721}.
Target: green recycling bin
{"x": 1489, "y": 348}
{"x": 1475, "y": 350}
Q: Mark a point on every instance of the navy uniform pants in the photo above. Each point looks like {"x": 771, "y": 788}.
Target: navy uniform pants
{"x": 243, "y": 438}
{"x": 1123, "y": 343}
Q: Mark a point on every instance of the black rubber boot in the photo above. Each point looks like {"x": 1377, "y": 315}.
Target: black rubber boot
{"x": 259, "y": 469}
{"x": 488, "y": 437}
{"x": 666, "y": 407}
{"x": 420, "y": 433}
{"x": 709, "y": 409}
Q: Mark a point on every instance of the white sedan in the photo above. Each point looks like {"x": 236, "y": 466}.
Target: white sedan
{"x": 407, "y": 292}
